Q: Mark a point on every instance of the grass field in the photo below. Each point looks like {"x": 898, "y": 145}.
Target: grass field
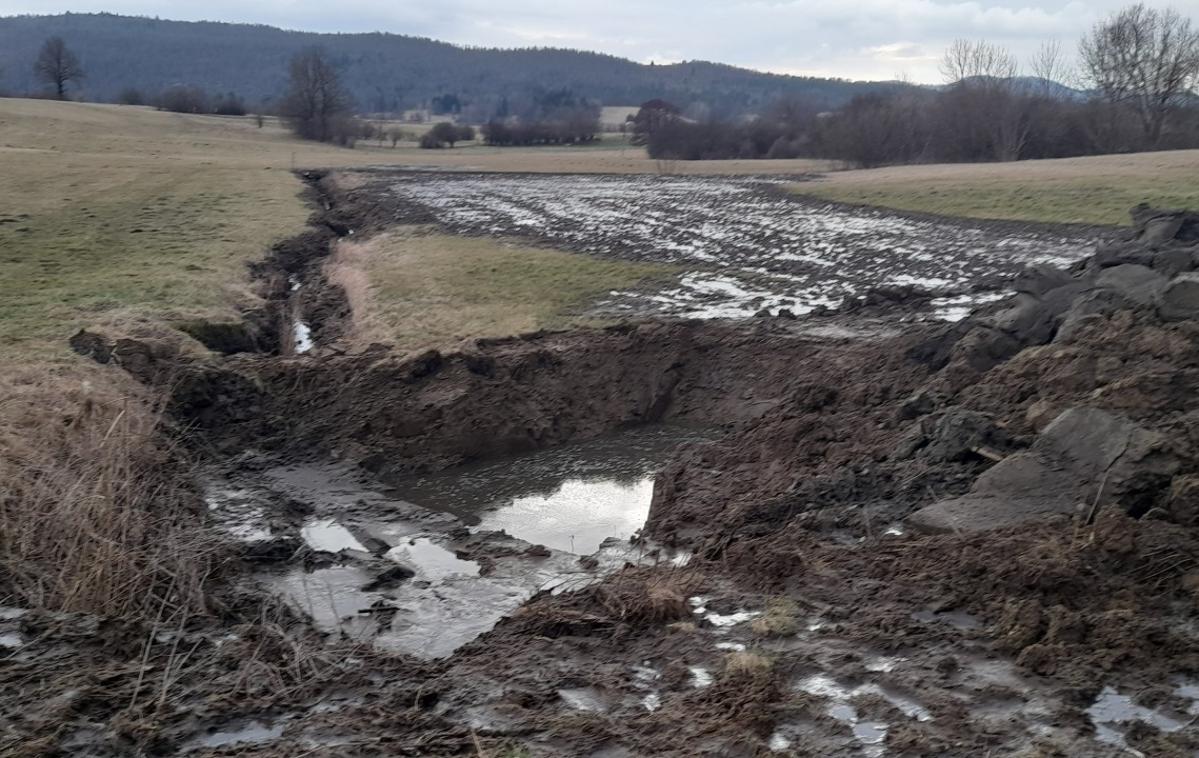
{"x": 1091, "y": 190}
{"x": 117, "y": 215}
{"x": 416, "y": 288}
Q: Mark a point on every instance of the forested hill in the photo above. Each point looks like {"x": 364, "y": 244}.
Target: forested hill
{"x": 385, "y": 72}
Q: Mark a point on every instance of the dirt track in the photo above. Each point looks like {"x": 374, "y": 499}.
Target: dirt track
{"x": 806, "y": 615}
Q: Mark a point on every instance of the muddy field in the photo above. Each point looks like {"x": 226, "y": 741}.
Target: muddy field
{"x": 675, "y": 537}
{"x": 744, "y": 243}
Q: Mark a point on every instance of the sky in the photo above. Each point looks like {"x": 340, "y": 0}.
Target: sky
{"x": 852, "y": 39}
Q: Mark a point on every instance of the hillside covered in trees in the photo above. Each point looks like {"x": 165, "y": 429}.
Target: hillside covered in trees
{"x": 384, "y": 72}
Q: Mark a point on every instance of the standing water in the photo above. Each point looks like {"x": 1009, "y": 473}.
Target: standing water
{"x": 569, "y": 498}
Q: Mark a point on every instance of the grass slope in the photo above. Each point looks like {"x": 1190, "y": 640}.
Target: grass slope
{"x": 117, "y": 216}
{"x": 112, "y": 214}
{"x": 1091, "y": 190}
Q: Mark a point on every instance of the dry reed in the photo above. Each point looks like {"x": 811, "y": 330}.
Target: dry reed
{"x": 97, "y": 510}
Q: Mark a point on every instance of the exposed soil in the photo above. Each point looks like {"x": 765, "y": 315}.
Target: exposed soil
{"x": 745, "y": 243}
{"x": 818, "y": 579}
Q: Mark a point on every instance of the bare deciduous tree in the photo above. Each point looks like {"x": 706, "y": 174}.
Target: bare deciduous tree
{"x": 1145, "y": 58}
{"x": 315, "y": 101}
{"x": 1050, "y": 67}
{"x": 980, "y": 63}
{"x": 984, "y": 99}
{"x": 58, "y": 66}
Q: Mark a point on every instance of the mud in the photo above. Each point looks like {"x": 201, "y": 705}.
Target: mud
{"x": 745, "y": 245}
{"x": 783, "y": 598}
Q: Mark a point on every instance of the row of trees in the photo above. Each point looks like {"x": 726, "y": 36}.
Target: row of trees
{"x": 1139, "y": 68}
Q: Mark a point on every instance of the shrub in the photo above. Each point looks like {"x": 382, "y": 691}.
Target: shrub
{"x": 183, "y": 99}
{"x": 131, "y": 96}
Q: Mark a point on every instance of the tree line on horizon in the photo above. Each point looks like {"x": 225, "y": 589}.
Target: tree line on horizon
{"x": 383, "y": 73}
{"x": 1139, "y": 70}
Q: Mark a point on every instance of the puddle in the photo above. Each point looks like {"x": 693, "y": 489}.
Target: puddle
{"x": 569, "y": 498}
{"x": 733, "y": 619}
{"x": 328, "y": 595}
{"x": 700, "y": 677}
{"x": 329, "y": 536}
{"x": 584, "y": 699}
{"x": 1111, "y": 709}
{"x": 11, "y": 640}
{"x": 841, "y": 709}
{"x": 301, "y": 337}
{"x": 253, "y": 732}
{"x": 430, "y": 560}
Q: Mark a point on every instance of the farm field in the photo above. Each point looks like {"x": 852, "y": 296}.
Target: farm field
{"x": 741, "y": 244}
{"x": 129, "y": 217}
{"x": 1091, "y": 190}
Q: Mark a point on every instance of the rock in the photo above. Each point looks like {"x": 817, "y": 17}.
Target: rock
{"x": 1183, "y": 504}
{"x": 91, "y": 345}
{"x": 1155, "y": 226}
{"x": 920, "y": 403}
{"x": 1116, "y": 254}
{"x": 1085, "y": 456}
{"x": 764, "y": 313}
{"x": 1139, "y": 284}
{"x": 1032, "y": 319}
{"x": 1180, "y": 298}
{"x": 538, "y": 551}
{"x": 1037, "y": 280}
{"x": 1088, "y": 308}
{"x": 1173, "y": 261}
{"x": 787, "y": 313}
{"x": 955, "y": 434}
{"x": 1040, "y": 414}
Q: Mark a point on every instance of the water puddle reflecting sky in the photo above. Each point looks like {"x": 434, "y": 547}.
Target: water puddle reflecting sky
{"x": 569, "y": 498}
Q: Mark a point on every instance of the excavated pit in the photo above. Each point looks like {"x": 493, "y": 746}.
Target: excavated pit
{"x": 778, "y": 600}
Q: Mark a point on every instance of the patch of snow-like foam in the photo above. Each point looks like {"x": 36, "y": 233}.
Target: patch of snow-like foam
{"x": 1111, "y": 708}
{"x": 431, "y": 561}
{"x": 328, "y": 536}
{"x": 301, "y": 337}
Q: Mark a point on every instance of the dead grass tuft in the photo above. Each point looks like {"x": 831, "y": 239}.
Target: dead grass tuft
{"x": 781, "y": 619}
{"x": 648, "y": 596}
{"x": 97, "y": 514}
{"x": 746, "y": 664}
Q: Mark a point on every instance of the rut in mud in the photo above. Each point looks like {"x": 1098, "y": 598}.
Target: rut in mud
{"x": 744, "y": 244}
{"x": 790, "y": 592}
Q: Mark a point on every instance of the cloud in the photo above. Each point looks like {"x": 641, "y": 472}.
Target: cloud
{"x": 872, "y": 39}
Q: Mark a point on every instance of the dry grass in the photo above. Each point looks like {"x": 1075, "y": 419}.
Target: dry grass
{"x": 1091, "y": 190}
{"x": 96, "y": 511}
{"x": 418, "y": 289}
{"x": 645, "y": 596}
{"x": 781, "y": 619}
{"x": 746, "y": 663}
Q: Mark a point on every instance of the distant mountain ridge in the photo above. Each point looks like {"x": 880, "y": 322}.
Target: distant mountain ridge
{"x": 385, "y": 72}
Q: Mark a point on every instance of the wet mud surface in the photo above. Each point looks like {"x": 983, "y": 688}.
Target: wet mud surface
{"x": 813, "y": 577}
{"x": 744, "y": 244}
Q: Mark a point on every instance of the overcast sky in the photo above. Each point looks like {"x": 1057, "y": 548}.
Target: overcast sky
{"x": 855, "y": 39}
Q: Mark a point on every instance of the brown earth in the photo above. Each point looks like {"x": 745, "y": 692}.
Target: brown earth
{"x": 1003, "y": 636}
